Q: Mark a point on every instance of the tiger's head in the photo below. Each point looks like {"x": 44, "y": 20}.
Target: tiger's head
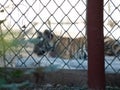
{"x": 44, "y": 44}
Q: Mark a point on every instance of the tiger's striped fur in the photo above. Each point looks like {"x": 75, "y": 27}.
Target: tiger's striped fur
{"x": 62, "y": 47}
{"x": 111, "y": 46}
{"x": 68, "y": 48}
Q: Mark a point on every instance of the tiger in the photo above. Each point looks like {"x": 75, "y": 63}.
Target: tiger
{"x": 111, "y": 46}
{"x": 68, "y": 48}
{"x": 58, "y": 46}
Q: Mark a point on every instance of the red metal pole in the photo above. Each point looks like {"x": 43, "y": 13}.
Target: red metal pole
{"x": 96, "y": 72}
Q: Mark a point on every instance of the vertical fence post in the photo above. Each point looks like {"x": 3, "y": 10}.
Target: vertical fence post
{"x": 96, "y": 72}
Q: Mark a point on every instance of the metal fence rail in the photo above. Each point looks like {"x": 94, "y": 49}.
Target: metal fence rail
{"x": 21, "y": 20}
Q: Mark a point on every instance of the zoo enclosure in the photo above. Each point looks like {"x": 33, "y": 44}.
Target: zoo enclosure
{"x": 20, "y": 16}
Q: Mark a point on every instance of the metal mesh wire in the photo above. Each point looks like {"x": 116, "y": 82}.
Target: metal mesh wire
{"x": 111, "y": 29}
{"x": 66, "y": 18}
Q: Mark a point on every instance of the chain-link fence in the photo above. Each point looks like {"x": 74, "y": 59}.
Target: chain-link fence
{"x": 66, "y": 19}
{"x": 111, "y": 29}
{"x": 49, "y": 32}
{"x": 24, "y": 19}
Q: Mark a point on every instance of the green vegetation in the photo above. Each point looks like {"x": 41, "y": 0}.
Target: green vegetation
{"x": 9, "y": 79}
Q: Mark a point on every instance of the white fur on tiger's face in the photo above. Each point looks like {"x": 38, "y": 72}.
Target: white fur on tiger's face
{"x": 63, "y": 47}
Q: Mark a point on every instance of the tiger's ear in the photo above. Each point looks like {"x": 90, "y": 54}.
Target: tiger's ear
{"x": 48, "y": 34}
